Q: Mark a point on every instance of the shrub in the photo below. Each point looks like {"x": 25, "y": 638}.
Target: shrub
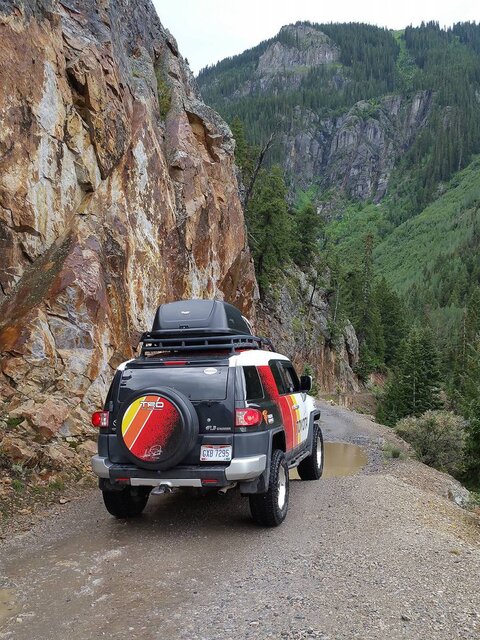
{"x": 438, "y": 438}
{"x": 164, "y": 93}
{"x": 390, "y": 451}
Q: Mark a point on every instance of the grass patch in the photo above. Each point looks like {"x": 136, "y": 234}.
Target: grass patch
{"x": 56, "y": 485}
{"x": 18, "y": 486}
{"x": 391, "y": 451}
{"x": 14, "y": 422}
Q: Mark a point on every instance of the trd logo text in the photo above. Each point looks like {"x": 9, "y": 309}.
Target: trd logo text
{"x": 152, "y": 405}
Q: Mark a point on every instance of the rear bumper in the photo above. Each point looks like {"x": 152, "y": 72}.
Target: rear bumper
{"x": 246, "y": 468}
{"x": 240, "y": 469}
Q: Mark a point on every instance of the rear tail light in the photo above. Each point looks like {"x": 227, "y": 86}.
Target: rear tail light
{"x": 100, "y": 419}
{"x": 247, "y": 417}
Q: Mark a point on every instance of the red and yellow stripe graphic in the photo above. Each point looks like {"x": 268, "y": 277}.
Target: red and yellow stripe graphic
{"x": 297, "y": 419}
{"x": 147, "y": 426}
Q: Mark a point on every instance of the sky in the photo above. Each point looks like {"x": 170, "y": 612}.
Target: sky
{"x": 210, "y": 30}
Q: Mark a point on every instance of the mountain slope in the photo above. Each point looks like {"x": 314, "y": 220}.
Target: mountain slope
{"x": 374, "y": 128}
{"x": 411, "y": 252}
{"x": 351, "y": 104}
{"x": 419, "y": 252}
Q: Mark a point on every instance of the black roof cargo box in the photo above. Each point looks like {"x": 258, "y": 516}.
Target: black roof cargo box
{"x": 202, "y": 316}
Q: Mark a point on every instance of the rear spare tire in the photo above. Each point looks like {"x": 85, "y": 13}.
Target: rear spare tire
{"x": 157, "y": 428}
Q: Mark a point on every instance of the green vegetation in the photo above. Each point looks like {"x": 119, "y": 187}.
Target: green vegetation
{"x": 307, "y": 233}
{"x": 308, "y": 371}
{"x": 269, "y": 225}
{"x": 438, "y": 438}
{"x": 414, "y": 387}
{"x": 427, "y": 277}
{"x": 279, "y": 235}
{"x": 431, "y": 260}
{"x": 18, "y": 486}
{"x": 390, "y": 451}
{"x": 164, "y": 93}
{"x": 443, "y": 228}
{"x": 14, "y": 422}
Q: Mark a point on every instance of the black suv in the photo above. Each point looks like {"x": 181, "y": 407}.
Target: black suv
{"x": 207, "y": 405}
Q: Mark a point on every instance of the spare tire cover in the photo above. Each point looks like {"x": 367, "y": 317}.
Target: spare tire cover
{"x": 157, "y": 428}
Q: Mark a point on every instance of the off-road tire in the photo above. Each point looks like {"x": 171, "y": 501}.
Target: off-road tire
{"x": 265, "y": 508}
{"x": 127, "y": 503}
{"x": 311, "y": 468}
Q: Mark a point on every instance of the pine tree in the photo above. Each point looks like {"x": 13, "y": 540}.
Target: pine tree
{"x": 393, "y": 317}
{"x": 241, "y": 146}
{"x": 466, "y": 372}
{"x": 307, "y": 231}
{"x": 466, "y": 383}
{"x": 246, "y": 154}
{"x": 429, "y": 375}
{"x": 472, "y": 448}
{"x": 269, "y": 225}
{"x": 368, "y": 320}
{"x": 415, "y": 384}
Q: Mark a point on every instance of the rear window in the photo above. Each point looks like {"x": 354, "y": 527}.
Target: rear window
{"x": 196, "y": 383}
{"x": 253, "y": 386}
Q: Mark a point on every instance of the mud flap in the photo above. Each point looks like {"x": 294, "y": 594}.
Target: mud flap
{"x": 259, "y": 485}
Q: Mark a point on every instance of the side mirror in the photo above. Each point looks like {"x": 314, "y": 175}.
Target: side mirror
{"x": 306, "y": 383}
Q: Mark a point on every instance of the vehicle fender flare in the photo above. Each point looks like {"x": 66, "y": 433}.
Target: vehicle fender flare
{"x": 260, "y": 484}
{"x": 314, "y": 417}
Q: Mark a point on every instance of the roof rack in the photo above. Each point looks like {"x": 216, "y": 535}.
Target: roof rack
{"x": 205, "y": 340}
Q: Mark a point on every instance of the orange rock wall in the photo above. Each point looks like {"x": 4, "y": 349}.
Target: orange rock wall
{"x": 117, "y": 193}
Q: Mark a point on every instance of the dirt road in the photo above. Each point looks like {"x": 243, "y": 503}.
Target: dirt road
{"x": 375, "y": 555}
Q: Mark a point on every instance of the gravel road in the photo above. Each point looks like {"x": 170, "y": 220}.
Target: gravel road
{"x": 376, "y": 555}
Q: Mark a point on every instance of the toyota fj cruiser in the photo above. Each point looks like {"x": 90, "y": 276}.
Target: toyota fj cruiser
{"x": 208, "y": 405}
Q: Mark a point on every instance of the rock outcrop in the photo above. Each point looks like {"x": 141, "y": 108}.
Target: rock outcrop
{"x": 298, "y": 49}
{"x": 284, "y": 64}
{"x": 117, "y": 193}
{"x": 356, "y": 152}
{"x": 296, "y": 316}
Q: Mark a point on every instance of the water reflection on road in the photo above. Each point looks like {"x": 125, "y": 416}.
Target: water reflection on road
{"x": 341, "y": 459}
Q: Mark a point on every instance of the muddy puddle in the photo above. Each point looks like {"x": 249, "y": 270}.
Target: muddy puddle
{"x": 341, "y": 459}
{"x": 8, "y": 605}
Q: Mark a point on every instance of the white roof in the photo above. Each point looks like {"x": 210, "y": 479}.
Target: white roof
{"x": 254, "y": 357}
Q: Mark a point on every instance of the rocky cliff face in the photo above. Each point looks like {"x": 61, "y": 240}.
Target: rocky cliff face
{"x": 117, "y": 193}
{"x": 295, "y": 315}
{"x": 352, "y": 153}
{"x": 287, "y": 60}
{"x": 356, "y": 152}
{"x": 298, "y": 49}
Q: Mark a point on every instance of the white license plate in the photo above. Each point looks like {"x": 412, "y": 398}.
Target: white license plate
{"x": 216, "y": 453}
